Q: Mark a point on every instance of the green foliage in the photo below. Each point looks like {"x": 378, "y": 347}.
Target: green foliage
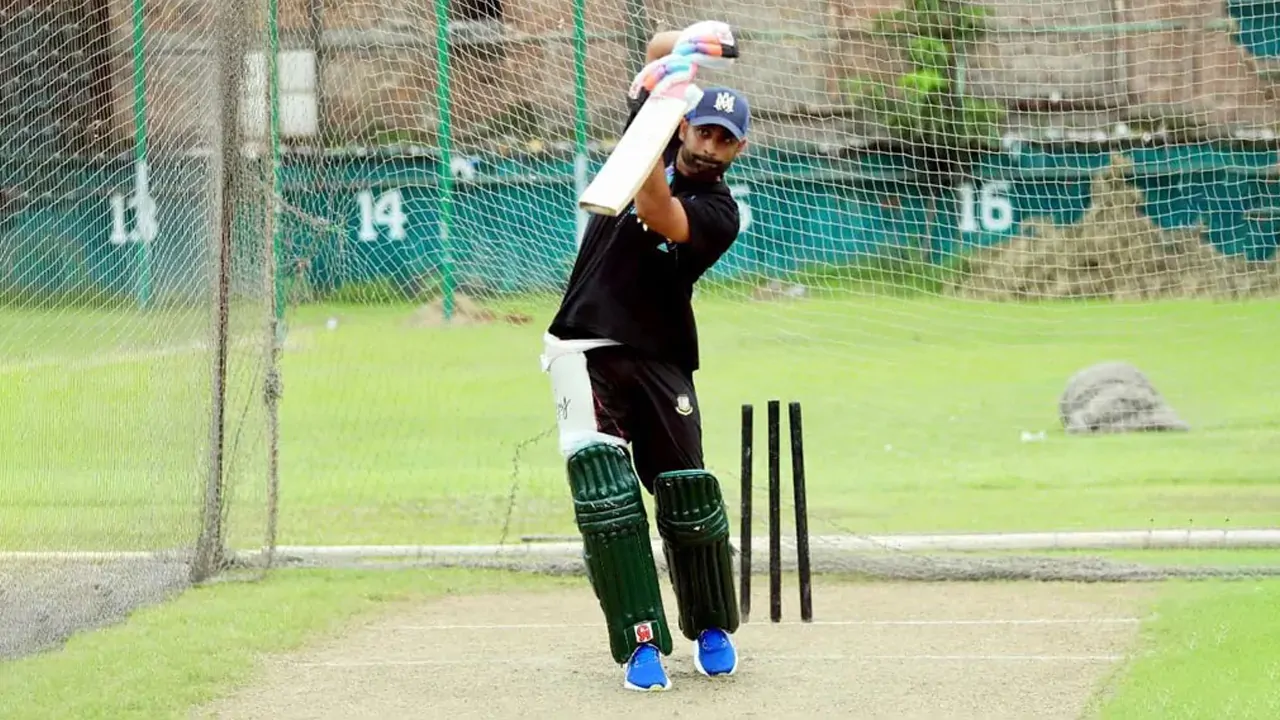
{"x": 951, "y": 21}
{"x": 925, "y": 106}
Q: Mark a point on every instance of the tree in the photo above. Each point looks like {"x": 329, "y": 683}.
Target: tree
{"x": 925, "y": 109}
{"x": 925, "y": 112}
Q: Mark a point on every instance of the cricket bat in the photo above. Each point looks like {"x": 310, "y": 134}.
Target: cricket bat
{"x": 624, "y": 171}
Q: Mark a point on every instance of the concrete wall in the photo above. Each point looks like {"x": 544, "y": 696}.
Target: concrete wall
{"x": 1195, "y": 72}
{"x": 388, "y": 85}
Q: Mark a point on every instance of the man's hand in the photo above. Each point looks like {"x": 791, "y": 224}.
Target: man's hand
{"x": 710, "y": 43}
{"x": 669, "y": 76}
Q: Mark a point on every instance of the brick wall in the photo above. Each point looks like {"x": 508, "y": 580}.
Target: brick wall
{"x": 1094, "y": 78}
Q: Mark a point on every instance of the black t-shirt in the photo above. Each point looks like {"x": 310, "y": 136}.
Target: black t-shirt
{"x": 631, "y": 285}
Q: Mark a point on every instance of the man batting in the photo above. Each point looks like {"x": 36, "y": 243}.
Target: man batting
{"x": 621, "y": 353}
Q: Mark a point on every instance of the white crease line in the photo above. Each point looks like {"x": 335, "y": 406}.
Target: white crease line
{"x": 560, "y": 661}
{"x": 958, "y": 658}
{"x": 793, "y": 623}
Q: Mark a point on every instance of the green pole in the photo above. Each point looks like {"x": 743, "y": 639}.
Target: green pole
{"x": 446, "y": 153}
{"x": 580, "y": 106}
{"x": 273, "y": 95}
{"x": 144, "y": 215}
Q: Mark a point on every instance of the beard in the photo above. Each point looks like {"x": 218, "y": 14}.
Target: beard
{"x": 702, "y": 166}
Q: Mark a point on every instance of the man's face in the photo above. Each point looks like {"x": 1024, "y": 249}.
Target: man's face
{"x": 707, "y": 151}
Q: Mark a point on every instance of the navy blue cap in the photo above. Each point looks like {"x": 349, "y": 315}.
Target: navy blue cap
{"x": 724, "y": 107}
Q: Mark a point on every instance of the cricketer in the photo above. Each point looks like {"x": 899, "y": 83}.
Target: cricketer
{"x": 621, "y": 353}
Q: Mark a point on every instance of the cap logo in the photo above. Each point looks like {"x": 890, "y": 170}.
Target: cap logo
{"x": 724, "y": 102}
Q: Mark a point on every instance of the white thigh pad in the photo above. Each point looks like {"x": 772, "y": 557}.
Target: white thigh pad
{"x": 566, "y": 363}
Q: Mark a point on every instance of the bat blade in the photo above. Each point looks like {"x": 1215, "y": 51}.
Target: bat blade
{"x": 624, "y": 171}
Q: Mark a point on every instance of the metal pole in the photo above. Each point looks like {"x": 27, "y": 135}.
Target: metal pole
{"x": 446, "y": 153}
{"x": 580, "y": 108}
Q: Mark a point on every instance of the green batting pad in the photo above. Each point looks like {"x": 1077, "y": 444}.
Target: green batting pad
{"x": 617, "y": 548}
{"x": 694, "y": 528}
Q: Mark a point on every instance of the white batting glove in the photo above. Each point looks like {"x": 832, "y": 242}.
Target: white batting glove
{"x": 710, "y": 42}
{"x": 668, "y": 76}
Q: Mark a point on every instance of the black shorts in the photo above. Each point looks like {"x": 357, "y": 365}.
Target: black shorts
{"x": 651, "y": 405}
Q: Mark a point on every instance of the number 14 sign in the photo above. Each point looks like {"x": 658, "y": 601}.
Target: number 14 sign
{"x": 381, "y": 215}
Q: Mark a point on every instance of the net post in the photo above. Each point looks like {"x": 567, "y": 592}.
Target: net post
{"x": 275, "y": 277}
{"x": 445, "y": 121}
{"x": 274, "y": 281}
{"x": 226, "y": 185}
{"x": 580, "y": 109}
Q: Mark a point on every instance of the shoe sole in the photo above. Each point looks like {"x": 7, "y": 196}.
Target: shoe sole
{"x": 697, "y": 663}
{"x": 652, "y": 688}
{"x": 628, "y": 685}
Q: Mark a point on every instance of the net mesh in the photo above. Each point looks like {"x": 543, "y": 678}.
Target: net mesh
{"x": 128, "y": 403}
{"x": 949, "y": 211}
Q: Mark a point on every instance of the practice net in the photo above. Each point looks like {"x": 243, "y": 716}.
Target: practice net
{"x": 984, "y": 246}
{"x": 949, "y": 211}
{"x": 134, "y": 310}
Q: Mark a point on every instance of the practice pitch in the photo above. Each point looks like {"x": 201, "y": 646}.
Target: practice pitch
{"x": 883, "y": 650}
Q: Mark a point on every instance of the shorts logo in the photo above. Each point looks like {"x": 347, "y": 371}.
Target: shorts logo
{"x": 683, "y": 406}
{"x": 644, "y": 632}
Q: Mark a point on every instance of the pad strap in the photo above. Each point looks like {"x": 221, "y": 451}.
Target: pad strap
{"x": 617, "y": 548}
{"x": 694, "y": 527}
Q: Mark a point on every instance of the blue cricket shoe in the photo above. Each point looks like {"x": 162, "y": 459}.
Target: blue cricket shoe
{"x": 644, "y": 670}
{"x": 714, "y": 654}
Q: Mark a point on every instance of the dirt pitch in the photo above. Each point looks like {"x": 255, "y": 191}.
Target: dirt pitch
{"x": 875, "y": 650}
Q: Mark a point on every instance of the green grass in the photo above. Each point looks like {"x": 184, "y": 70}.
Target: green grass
{"x": 1209, "y": 653}
{"x": 168, "y": 658}
{"x": 400, "y": 434}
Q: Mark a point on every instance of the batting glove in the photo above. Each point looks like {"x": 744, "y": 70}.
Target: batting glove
{"x": 710, "y": 42}
{"x": 668, "y": 77}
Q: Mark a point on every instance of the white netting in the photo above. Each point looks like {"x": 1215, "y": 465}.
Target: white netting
{"x": 131, "y": 411}
{"x": 949, "y": 209}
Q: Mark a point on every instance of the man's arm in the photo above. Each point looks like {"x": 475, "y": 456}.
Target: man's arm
{"x": 659, "y": 209}
{"x": 661, "y": 45}
{"x": 655, "y": 205}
